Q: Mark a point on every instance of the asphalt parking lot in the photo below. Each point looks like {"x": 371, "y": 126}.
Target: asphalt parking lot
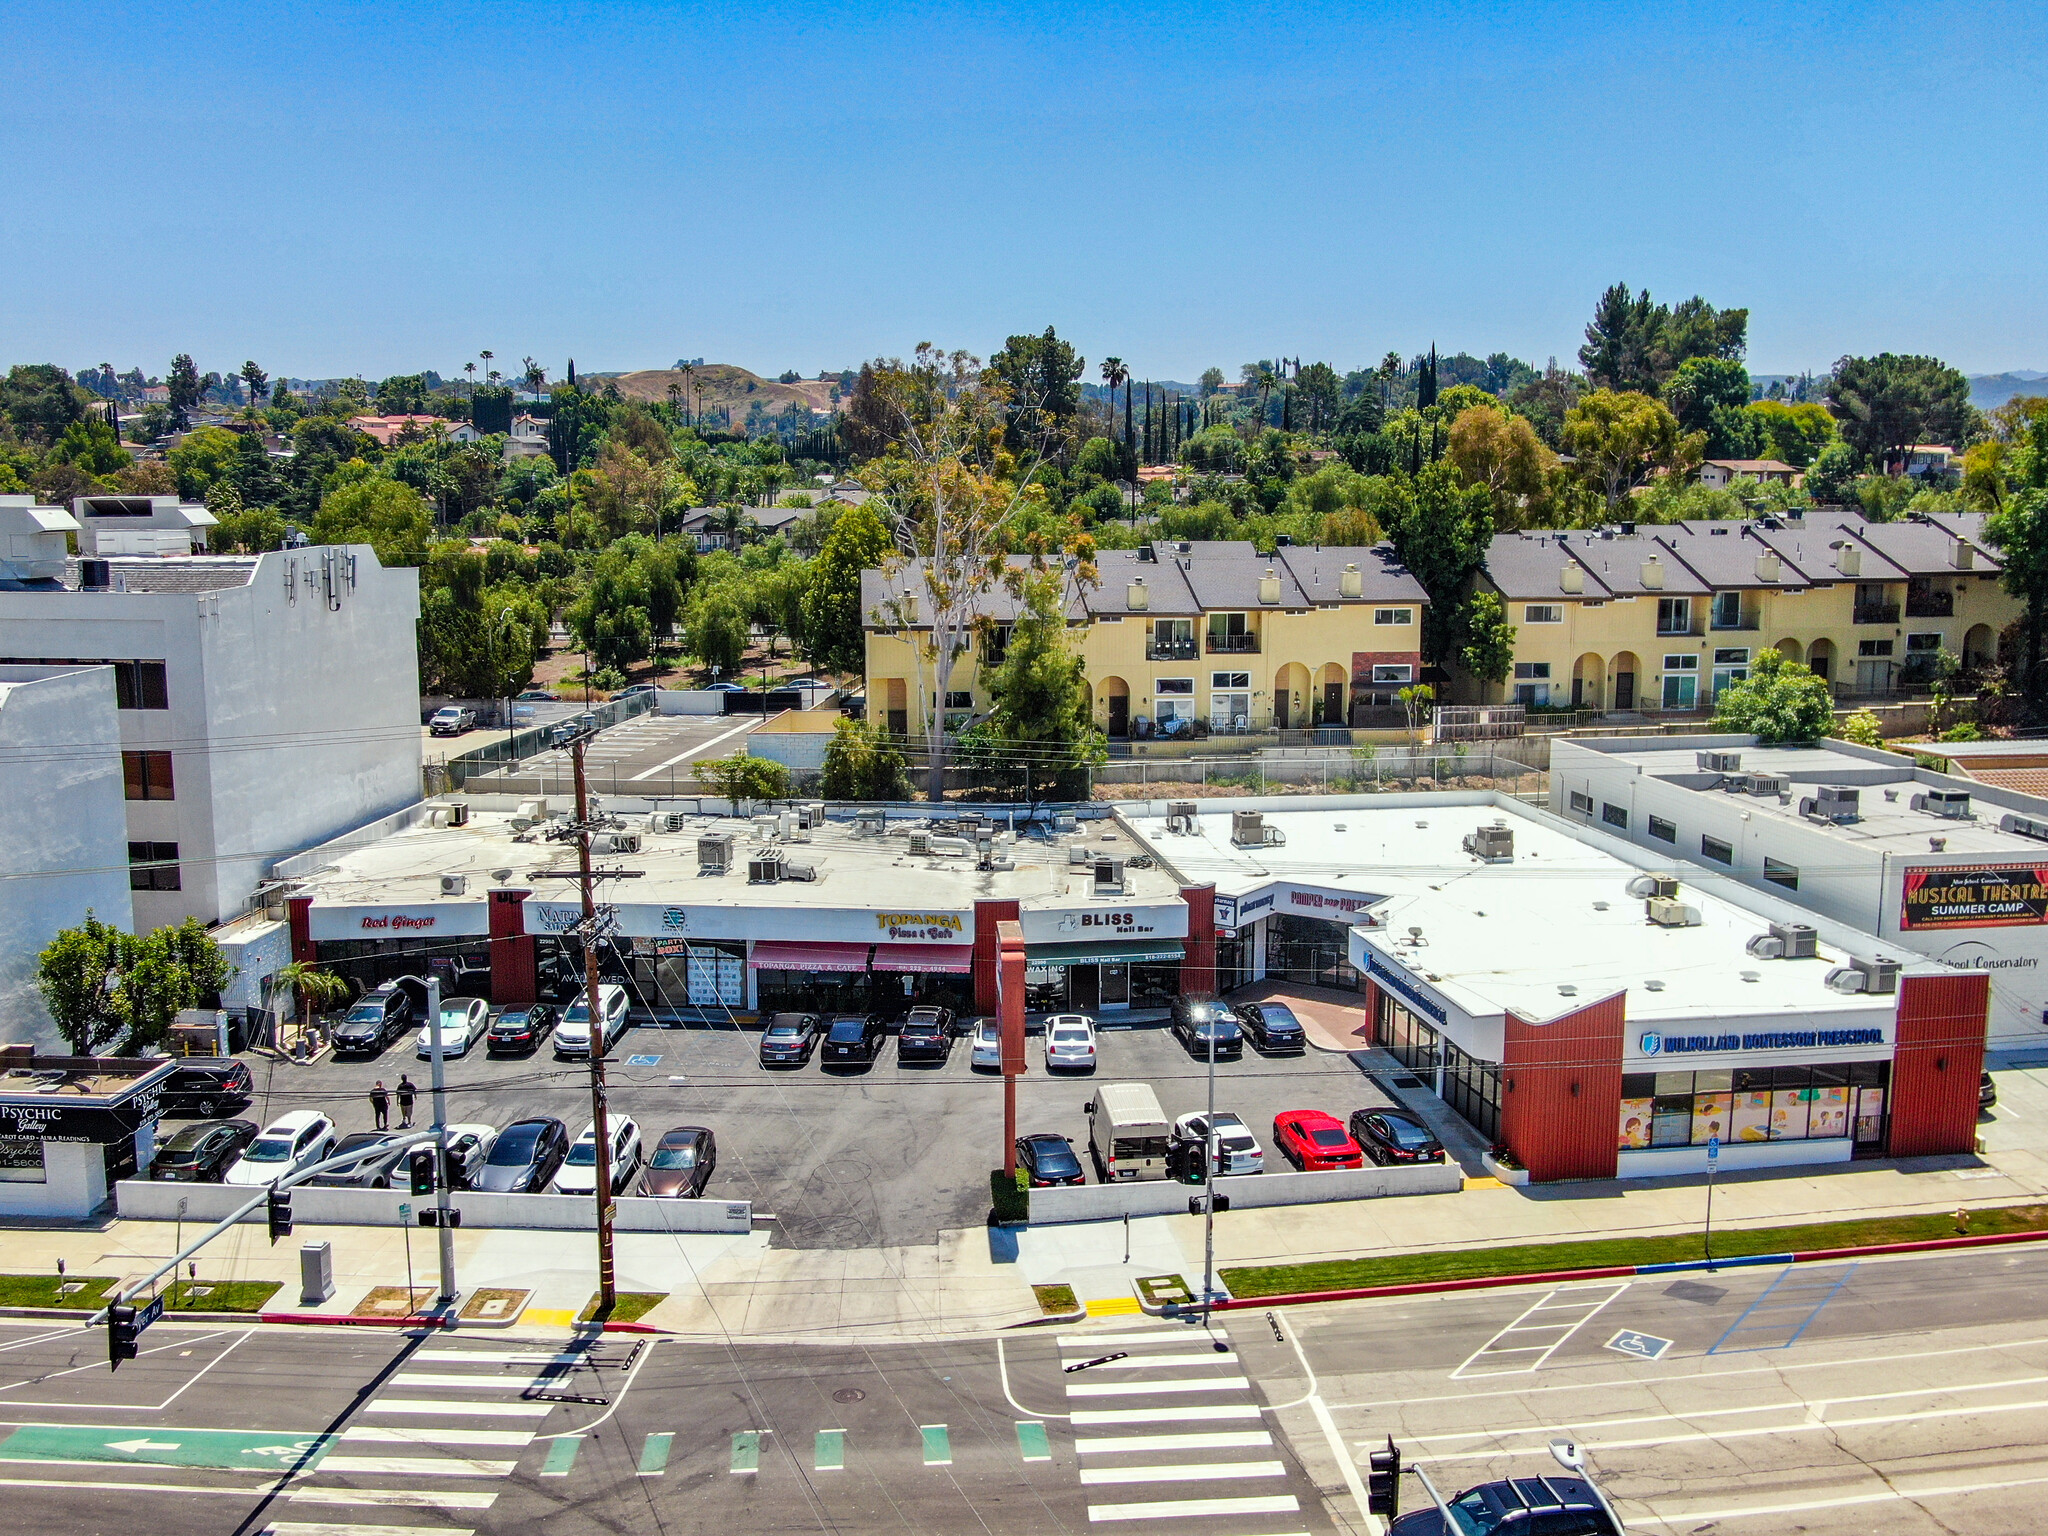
{"x": 883, "y": 1156}
{"x": 647, "y": 755}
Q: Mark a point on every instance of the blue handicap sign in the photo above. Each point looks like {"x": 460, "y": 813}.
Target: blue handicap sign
{"x": 1644, "y": 1346}
{"x": 1713, "y": 1149}
{"x": 643, "y": 1061}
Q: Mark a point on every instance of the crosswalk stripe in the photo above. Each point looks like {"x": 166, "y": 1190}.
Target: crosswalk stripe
{"x": 478, "y": 1383}
{"x": 404, "y": 1496}
{"x": 339, "y": 1528}
{"x": 561, "y": 1456}
{"x": 654, "y": 1454}
{"x": 828, "y": 1451}
{"x": 1169, "y": 1362}
{"x": 938, "y": 1445}
{"x": 1189, "y": 1413}
{"x": 1146, "y": 1388}
{"x": 1188, "y": 1509}
{"x": 1185, "y": 1472}
{"x": 400, "y": 1435}
{"x": 429, "y": 1466}
{"x": 1215, "y": 1440}
{"x": 1032, "y": 1443}
{"x": 503, "y": 1356}
{"x": 451, "y": 1405}
{"x": 1176, "y": 1334}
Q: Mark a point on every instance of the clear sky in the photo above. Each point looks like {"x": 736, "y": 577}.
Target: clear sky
{"x": 354, "y": 188}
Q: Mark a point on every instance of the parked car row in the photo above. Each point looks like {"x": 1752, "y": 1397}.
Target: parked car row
{"x": 1314, "y": 1141}
{"x": 926, "y": 1034}
{"x": 1205, "y": 1025}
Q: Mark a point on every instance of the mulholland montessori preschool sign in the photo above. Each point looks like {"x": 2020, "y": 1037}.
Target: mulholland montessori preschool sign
{"x": 1992, "y": 896}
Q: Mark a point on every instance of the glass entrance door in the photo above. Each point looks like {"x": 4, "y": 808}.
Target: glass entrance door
{"x": 1116, "y": 986}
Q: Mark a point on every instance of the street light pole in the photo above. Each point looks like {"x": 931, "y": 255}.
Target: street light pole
{"x": 600, "y": 1120}
{"x": 446, "y": 1229}
{"x": 1210, "y": 1143}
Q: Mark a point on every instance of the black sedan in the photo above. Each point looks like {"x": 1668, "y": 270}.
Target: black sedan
{"x": 526, "y": 1155}
{"x": 926, "y": 1035}
{"x": 1273, "y": 1029}
{"x": 520, "y": 1030}
{"x": 788, "y": 1039}
{"x": 1049, "y": 1160}
{"x": 1395, "y": 1136}
{"x": 1522, "y": 1506}
{"x": 853, "y": 1037}
{"x": 1204, "y": 1025}
{"x": 200, "y": 1154}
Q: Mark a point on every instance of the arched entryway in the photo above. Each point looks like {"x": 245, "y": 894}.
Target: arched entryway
{"x": 1116, "y": 707}
{"x": 1290, "y": 697}
{"x": 1329, "y": 699}
{"x": 1589, "y": 682}
{"x": 1624, "y": 669}
{"x": 1790, "y": 650}
{"x": 1820, "y": 656}
{"x": 1980, "y": 647}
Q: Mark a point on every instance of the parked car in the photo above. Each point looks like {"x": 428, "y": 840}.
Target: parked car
{"x": 200, "y": 1154}
{"x": 1070, "y": 1043}
{"x": 1203, "y": 1024}
{"x": 464, "y": 1021}
{"x": 578, "y": 1173}
{"x": 520, "y": 1029}
{"x": 1315, "y": 1142}
{"x": 627, "y": 693}
{"x": 1049, "y": 1160}
{"x": 853, "y": 1037}
{"x": 374, "y": 1021}
{"x": 725, "y": 688}
{"x": 524, "y": 1157}
{"x": 289, "y": 1143}
{"x": 469, "y": 1151}
{"x": 1987, "y": 1092}
{"x": 452, "y": 721}
{"x": 926, "y": 1034}
{"x": 536, "y": 696}
{"x": 572, "y": 1035}
{"x": 1395, "y": 1136}
{"x": 1273, "y": 1029}
{"x": 205, "y": 1085}
{"x": 468, "y": 976}
{"x": 374, "y": 1166}
{"x": 1521, "y": 1506}
{"x": 789, "y": 1039}
{"x": 988, "y": 1044}
{"x": 682, "y": 1163}
{"x": 1236, "y": 1149}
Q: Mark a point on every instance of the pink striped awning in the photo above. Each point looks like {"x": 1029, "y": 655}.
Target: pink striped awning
{"x": 779, "y": 955}
{"x": 925, "y": 959}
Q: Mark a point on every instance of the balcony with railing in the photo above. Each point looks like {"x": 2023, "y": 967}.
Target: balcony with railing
{"x": 1170, "y": 649}
{"x": 1876, "y": 613}
{"x": 1221, "y": 644}
{"x": 1930, "y": 605}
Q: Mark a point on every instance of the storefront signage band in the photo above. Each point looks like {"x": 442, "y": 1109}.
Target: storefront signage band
{"x": 1654, "y": 1044}
{"x": 1381, "y": 971}
{"x": 79, "y": 1122}
{"x": 1993, "y": 896}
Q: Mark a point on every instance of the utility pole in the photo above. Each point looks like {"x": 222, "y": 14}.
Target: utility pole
{"x": 446, "y": 1229}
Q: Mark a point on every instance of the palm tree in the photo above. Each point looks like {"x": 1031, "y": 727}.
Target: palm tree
{"x": 1266, "y": 382}
{"x": 732, "y": 520}
{"x": 487, "y": 355}
{"x": 1113, "y": 373}
{"x": 535, "y": 375}
{"x": 470, "y": 369}
{"x": 315, "y": 989}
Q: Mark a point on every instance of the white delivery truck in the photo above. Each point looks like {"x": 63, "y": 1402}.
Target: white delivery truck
{"x": 1127, "y": 1132}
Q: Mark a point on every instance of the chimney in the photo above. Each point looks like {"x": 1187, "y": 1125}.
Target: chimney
{"x": 1136, "y": 597}
{"x": 1963, "y": 556}
{"x": 1269, "y": 587}
{"x": 1766, "y": 565}
{"x": 1653, "y": 573}
{"x": 1352, "y": 582}
{"x": 1848, "y": 559}
{"x": 1572, "y": 578}
{"x": 909, "y": 606}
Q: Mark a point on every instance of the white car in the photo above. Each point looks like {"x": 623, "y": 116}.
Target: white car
{"x": 469, "y": 1147}
{"x": 572, "y": 1035}
{"x": 291, "y": 1142}
{"x": 463, "y": 1022}
{"x": 578, "y": 1175}
{"x": 1235, "y": 1148}
{"x": 988, "y": 1044}
{"x": 1070, "y": 1042}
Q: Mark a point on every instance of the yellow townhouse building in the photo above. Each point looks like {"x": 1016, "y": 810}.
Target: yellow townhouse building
{"x": 1208, "y": 631}
{"x": 1664, "y": 617}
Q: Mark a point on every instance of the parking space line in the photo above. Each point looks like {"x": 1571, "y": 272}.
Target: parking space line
{"x": 687, "y": 752}
{"x": 938, "y": 1445}
{"x": 1827, "y": 1288}
{"x": 1032, "y": 1443}
{"x": 746, "y": 1451}
{"x": 1591, "y": 1300}
{"x": 654, "y": 1454}
{"x": 561, "y": 1456}
{"x": 828, "y": 1454}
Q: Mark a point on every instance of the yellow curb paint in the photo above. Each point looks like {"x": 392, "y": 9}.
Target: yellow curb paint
{"x": 1484, "y": 1183}
{"x": 1113, "y": 1306}
{"x": 549, "y": 1317}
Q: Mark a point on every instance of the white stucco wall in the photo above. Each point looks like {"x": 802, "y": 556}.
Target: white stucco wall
{"x": 61, "y": 821}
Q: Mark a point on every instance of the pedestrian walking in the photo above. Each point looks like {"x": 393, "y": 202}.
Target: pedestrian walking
{"x": 405, "y": 1093}
{"x": 380, "y": 1106}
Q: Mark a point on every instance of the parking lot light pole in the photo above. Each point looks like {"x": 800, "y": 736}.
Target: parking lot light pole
{"x": 600, "y": 1121}
{"x": 446, "y": 1229}
{"x": 1211, "y": 1142}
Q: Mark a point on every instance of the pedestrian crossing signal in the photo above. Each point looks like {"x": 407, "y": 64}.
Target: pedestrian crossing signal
{"x": 1383, "y": 1481}
{"x": 279, "y": 1210}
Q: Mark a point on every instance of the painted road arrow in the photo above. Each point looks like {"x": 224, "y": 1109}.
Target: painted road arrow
{"x": 225, "y": 1449}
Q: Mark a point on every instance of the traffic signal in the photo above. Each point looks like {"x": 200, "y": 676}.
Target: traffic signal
{"x": 279, "y": 1210}
{"x": 121, "y": 1332}
{"x": 421, "y": 1164}
{"x": 1383, "y": 1481}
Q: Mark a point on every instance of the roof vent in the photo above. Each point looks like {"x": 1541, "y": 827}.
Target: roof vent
{"x": 1351, "y": 582}
{"x": 1937, "y": 844}
{"x": 1648, "y": 887}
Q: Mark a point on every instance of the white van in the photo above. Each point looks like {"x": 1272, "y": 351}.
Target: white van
{"x": 572, "y": 1035}
{"x": 1127, "y": 1132}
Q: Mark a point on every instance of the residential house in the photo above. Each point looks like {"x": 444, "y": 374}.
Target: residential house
{"x": 387, "y": 430}
{"x": 1718, "y": 474}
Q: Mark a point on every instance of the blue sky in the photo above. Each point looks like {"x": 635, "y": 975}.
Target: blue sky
{"x": 343, "y": 188}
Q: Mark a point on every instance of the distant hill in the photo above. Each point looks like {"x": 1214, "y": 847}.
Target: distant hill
{"x": 1988, "y": 391}
{"x": 724, "y": 384}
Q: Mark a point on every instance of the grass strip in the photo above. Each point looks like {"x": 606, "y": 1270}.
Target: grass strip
{"x": 1056, "y": 1300}
{"x": 627, "y": 1306}
{"x": 42, "y": 1291}
{"x": 1604, "y": 1253}
{"x": 221, "y": 1295}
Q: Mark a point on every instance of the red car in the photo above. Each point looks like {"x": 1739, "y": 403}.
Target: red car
{"x": 1314, "y": 1141}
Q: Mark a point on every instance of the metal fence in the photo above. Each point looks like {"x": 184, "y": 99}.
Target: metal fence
{"x": 1359, "y": 771}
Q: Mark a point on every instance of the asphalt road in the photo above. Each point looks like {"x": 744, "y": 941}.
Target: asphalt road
{"x": 888, "y": 1155}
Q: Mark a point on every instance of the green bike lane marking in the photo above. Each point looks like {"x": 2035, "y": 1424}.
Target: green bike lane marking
{"x": 223, "y": 1449}
{"x": 561, "y": 1456}
{"x": 938, "y": 1445}
{"x": 654, "y": 1454}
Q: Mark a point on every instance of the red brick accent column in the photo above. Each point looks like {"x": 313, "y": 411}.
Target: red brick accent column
{"x": 1937, "y": 1062}
{"x": 987, "y": 986}
{"x": 515, "y": 958}
{"x": 303, "y": 947}
{"x": 1560, "y": 1099}
{"x": 1198, "y": 963}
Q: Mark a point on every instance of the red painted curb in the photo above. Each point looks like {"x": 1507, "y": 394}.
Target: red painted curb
{"x": 632, "y": 1328}
{"x": 1931, "y": 1245}
{"x": 339, "y": 1319}
{"x": 1421, "y": 1287}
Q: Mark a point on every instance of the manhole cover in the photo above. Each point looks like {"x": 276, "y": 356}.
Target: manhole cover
{"x": 848, "y": 1395}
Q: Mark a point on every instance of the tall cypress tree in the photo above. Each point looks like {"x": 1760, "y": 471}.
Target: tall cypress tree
{"x": 1425, "y": 392}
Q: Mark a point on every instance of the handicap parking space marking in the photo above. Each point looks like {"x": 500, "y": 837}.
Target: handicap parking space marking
{"x": 643, "y": 1061}
{"x": 1644, "y": 1346}
{"x": 1529, "y": 1341}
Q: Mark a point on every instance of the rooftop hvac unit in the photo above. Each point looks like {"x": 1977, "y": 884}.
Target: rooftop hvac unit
{"x": 1879, "y": 975}
{"x": 799, "y": 871}
{"x": 1798, "y": 940}
{"x": 869, "y": 823}
{"x": 1768, "y": 784}
{"x": 1109, "y": 874}
{"x": 1766, "y": 946}
{"x": 1064, "y": 821}
{"x": 765, "y": 867}
{"x": 1180, "y": 816}
{"x": 1845, "y": 978}
{"x": 1493, "y": 844}
{"x": 668, "y": 821}
{"x": 767, "y": 827}
{"x": 1718, "y": 762}
{"x": 1834, "y": 803}
{"x": 1647, "y": 886}
{"x": 1952, "y": 803}
{"x": 714, "y": 853}
{"x": 1248, "y": 829}
{"x": 454, "y": 885}
{"x": 458, "y": 813}
{"x": 2024, "y": 826}
{"x": 1076, "y": 854}
{"x": 920, "y": 844}
{"x": 534, "y": 810}
{"x": 625, "y": 842}
{"x": 813, "y": 812}
{"x": 1666, "y": 913}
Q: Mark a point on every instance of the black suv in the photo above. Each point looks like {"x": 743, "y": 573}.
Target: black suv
{"x": 200, "y": 1154}
{"x": 1520, "y": 1506}
{"x": 376, "y": 1019}
{"x": 206, "y": 1085}
{"x": 1273, "y": 1029}
{"x": 520, "y": 1029}
{"x": 1203, "y": 1024}
{"x": 926, "y": 1034}
{"x": 853, "y": 1037}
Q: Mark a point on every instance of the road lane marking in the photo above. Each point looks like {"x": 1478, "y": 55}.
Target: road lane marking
{"x": 1948, "y": 1491}
{"x": 340, "y": 1528}
{"x": 1215, "y": 1439}
{"x": 1032, "y": 1443}
{"x": 1189, "y": 1509}
{"x": 452, "y": 1405}
{"x": 401, "y": 1435}
{"x": 1190, "y": 1414}
{"x": 1175, "y": 1333}
{"x": 654, "y": 1454}
{"x": 1590, "y": 1300}
{"x": 1184, "y": 1472}
{"x": 424, "y": 1466}
{"x": 393, "y": 1496}
{"x": 561, "y": 1456}
{"x": 938, "y": 1445}
{"x": 746, "y": 1451}
{"x": 51, "y": 1482}
{"x": 1146, "y": 1388}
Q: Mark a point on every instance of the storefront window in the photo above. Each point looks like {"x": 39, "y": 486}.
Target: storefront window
{"x": 820, "y": 992}
{"x": 1309, "y": 950}
{"x": 1676, "y": 1109}
{"x": 1472, "y": 1089}
{"x": 1154, "y": 986}
{"x": 21, "y": 1160}
{"x": 1412, "y": 1042}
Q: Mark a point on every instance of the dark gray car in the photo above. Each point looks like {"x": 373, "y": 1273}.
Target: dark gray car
{"x": 377, "y": 1167}
{"x": 526, "y": 1155}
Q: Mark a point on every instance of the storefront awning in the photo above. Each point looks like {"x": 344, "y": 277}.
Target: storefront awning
{"x": 1103, "y": 952}
{"x": 925, "y": 959}
{"x": 779, "y": 955}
